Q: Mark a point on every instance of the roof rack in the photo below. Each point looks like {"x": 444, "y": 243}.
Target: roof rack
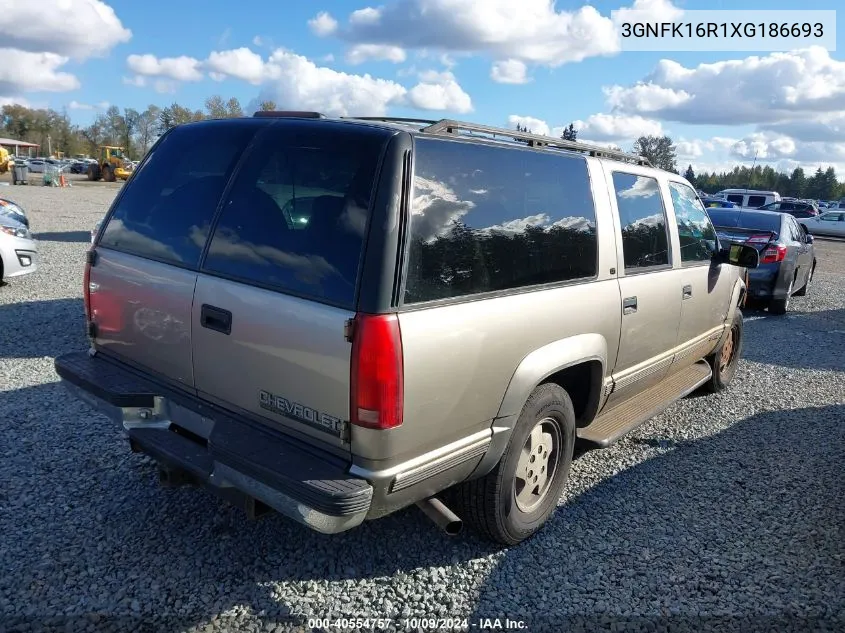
{"x": 294, "y": 114}
{"x": 391, "y": 119}
{"x": 448, "y": 126}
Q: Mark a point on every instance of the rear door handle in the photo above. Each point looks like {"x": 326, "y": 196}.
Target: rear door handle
{"x": 216, "y": 319}
{"x": 687, "y": 292}
{"x": 629, "y": 305}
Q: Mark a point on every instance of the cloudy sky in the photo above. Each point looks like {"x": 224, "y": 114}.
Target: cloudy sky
{"x": 502, "y": 62}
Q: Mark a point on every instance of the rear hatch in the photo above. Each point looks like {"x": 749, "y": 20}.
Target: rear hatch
{"x": 140, "y": 286}
{"x": 278, "y": 288}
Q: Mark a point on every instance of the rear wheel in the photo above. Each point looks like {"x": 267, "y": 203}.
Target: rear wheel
{"x": 725, "y": 359}
{"x": 93, "y": 172}
{"x": 108, "y": 174}
{"x": 780, "y": 306}
{"x": 515, "y": 499}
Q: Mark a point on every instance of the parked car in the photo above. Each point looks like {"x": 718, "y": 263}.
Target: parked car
{"x": 748, "y": 198}
{"x": 36, "y": 165}
{"x": 787, "y": 255}
{"x": 18, "y": 251}
{"x": 78, "y": 167}
{"x": 374, "y": 355}
{"x": 14, "y": 211}
{"x": 796, "y": 209}
{"x": 831, "y": 223}
{"x": 718, "y": 203}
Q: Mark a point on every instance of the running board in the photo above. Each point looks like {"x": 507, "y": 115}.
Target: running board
{"x": 628, "y": 415}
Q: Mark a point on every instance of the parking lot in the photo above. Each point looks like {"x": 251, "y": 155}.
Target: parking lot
{"x": 727, "y": 509}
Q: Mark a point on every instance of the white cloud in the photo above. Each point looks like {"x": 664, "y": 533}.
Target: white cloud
{"x": 23, "y": 71}
{"x": 755, "y": 89}
{"x": 533, "y": 32}
{"x": 648, "y": 11}
{"x": 240, "y": 63}
{"x": 322, "y": 24}
{"x": 377, "y": 52}
{"x": 296, "y": 82}
{"x": 165, "y": 86}
{"x": 182, "y": 68}
{"x": 4, "y": 101}
{"x": 71, "y": 28}
{"x": 439, "y": 91}
{"x": 509, "y": 71}
{"x": 616, "y": 128}
{"x": 76, "y": 105}
{"x": 537, "y": 126}
{"x": 139, "y": 81}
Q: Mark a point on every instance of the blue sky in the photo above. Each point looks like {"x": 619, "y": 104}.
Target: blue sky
{"x": 500, "y": 62}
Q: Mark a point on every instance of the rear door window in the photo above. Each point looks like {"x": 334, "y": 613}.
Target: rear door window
{"x": 166, "y": 210}
{"x": 296, "y": 215}
{"x": 736, "y": 199}
{"x": 645, "y": 237}
{"x": 756, "y": 201}
{"x": 489, "y": 218}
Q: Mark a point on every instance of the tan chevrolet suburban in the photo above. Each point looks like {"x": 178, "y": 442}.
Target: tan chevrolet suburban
{"x": 338, "y": 318}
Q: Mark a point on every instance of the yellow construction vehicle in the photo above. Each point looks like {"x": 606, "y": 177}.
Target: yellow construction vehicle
{"x": 7, "y": 161}
{"x": 111, "y": 165}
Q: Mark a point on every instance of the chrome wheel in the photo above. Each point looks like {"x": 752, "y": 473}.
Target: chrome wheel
{"x": 537, "y": 464}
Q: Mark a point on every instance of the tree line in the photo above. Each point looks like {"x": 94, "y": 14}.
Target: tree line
{"x": 136, "y": 131}
{"x": 129, "y": 128}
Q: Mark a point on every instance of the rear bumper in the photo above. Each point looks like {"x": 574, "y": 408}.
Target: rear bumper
{"x": 768, "y": 281}
{"x": 234, "y": 457}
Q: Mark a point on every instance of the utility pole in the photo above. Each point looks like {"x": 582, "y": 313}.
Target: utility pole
{"x": 49, "y": 146}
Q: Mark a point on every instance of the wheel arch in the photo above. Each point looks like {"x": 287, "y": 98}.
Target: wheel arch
{"x": 575, "y": 363}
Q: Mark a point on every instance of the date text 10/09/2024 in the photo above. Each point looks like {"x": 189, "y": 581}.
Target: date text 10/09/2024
{"x": 418, "y": 623}
{"x": 722, "y": 29}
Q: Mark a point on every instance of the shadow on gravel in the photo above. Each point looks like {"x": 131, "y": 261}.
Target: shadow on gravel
{"x": 63, "y": 236}
{"x": 797, "y": 340}
{"x": 34, "y": 329}
{"x": 747, "y": 525}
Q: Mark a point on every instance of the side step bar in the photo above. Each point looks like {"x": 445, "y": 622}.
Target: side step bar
{"x": 628, "y": 415}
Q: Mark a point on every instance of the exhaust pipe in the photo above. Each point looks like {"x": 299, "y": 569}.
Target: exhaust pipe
{"x": 442, "y": 516}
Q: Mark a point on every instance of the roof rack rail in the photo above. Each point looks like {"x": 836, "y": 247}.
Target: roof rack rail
{"x": 391, "y": 119}
{"x": 294, "y": 114}
{"x": 449, "y": 126}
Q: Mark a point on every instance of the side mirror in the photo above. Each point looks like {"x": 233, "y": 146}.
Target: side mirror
{"x": 739, "y": 255}
{"x": 810, "y": 238}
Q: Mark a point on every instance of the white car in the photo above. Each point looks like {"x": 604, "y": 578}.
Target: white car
{"x": 36, "y": 165}
{"x": 18, "y": 251}
{"x": 828, "y": 223}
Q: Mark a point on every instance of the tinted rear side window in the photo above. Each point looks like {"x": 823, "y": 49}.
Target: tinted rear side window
{"x": 645, "y": 239}
{"x": 167, "y": 208}
{"x": 756, "y": 201}
{"x": 495, "y": 218}
{"x": 297, "y": 213}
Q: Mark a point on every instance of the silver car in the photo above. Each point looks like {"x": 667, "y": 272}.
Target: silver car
{"x": 18, "y": 251}
{"x": 338, "y": 318}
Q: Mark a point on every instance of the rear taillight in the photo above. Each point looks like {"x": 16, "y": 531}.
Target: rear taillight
{"x": 377, "y": 374}
{"x": 773, "y": 254}
{"x": 86, "y": 288}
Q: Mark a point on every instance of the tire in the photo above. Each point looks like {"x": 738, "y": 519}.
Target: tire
{"x": 806, "y": 288}
{"x": 108, "y": 174}
{"x": 780, "y": 306}
{"x": 93, "y": 172}
{"x": 500, "y": 505}
{"x": 725, "y": 360}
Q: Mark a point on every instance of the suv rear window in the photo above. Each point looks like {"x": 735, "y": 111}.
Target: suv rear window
{"x": 165, "y": 211}
{"x": 487, "y": 218}
{"x": 756, "y": 201}
{"x": 296, "y": 215}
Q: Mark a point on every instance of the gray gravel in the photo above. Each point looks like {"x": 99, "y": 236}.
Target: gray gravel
{"x": 723, "y": 513}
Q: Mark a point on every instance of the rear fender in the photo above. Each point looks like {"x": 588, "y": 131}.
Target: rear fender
{"x": 533, "y": 370}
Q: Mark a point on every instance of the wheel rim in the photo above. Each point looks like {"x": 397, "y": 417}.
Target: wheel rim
{"x": 537, "y": 465}
{"x": 727, "y": 354}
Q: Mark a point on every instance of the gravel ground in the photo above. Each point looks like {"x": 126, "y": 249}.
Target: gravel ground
{"x": 723, "y": 513}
